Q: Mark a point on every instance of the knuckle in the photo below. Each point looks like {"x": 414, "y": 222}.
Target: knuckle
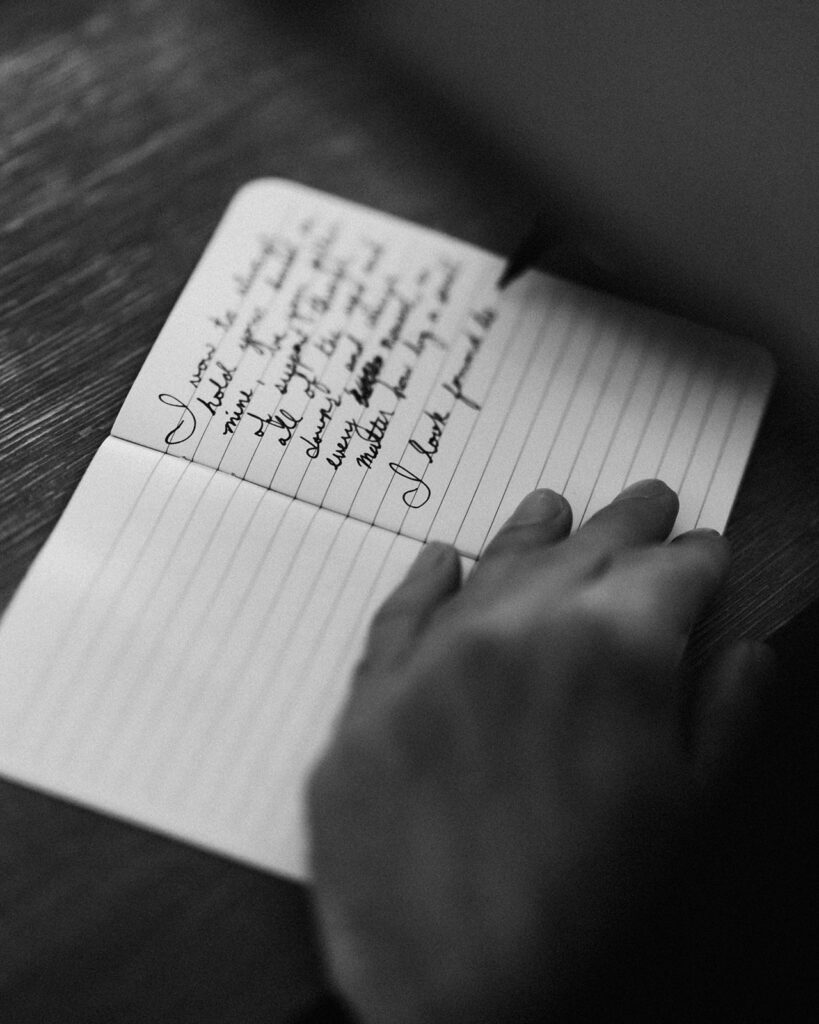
{"x": 619, "y": 620}
{"x": 624, "y": 652}
{"x": 483, "y": 640}
{"x": 598, "y": 565}
{"x": 489, "y": 656}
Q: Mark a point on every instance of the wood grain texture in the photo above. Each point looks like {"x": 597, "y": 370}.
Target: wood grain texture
{"x": 124, "y": 129}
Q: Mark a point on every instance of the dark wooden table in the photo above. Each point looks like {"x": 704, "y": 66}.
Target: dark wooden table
{"x": 124, "y": 129}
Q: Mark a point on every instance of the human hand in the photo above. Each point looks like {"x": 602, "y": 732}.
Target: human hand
{"x": 511, "y": 775}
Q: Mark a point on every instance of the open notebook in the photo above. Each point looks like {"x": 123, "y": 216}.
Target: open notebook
{"x": 333, "y": 388}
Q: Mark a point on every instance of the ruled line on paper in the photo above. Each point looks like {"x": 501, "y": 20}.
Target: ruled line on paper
{"x": 289, "y": 589}
{"x": 357, "y": 382}
{"x": 511, "y": 417}
{"x": 206, "y": 623}
{"x": 348, "y": 507}
{"x": 59, "y": 638}
{"x": 444, "y": 486}
{"x": 142, "y": 749}
{"x": 621, "y": 413}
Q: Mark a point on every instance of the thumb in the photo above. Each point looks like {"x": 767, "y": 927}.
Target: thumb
{"x": 733, "y": 691}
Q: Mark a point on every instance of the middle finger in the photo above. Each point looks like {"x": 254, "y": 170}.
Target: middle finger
{"x": 643, "y": 513}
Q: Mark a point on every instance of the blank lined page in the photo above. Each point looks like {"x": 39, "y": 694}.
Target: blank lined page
{"x": 371, "y": 366}
{"x": 201, "y": 633}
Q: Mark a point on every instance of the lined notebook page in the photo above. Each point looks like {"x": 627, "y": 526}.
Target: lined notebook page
{"x": 333, "y": 388}
{"x": 201, "y": 633}
{"x": 370, "y": 366}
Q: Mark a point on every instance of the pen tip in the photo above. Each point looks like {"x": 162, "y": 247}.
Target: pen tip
{"x": 506, "y": 277}
{"x": 526, "y": 255}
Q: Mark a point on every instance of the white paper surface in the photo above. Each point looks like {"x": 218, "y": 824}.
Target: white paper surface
{"x": 200, "y": 634}
{"x": 333, "y": 388}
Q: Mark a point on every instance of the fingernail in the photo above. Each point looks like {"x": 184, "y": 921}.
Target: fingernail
{"x": 433, "y": 553}
{"x": 540, "y": 505}
{"x": 701, "y": 531}
{"x": 645, "y": 489}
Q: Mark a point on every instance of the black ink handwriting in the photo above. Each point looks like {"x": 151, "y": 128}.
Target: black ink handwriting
{"x": 282, "y": 420}
{"x": 186, "y": 426}
{"x": 413, "y": 497}
{"x": 358, "y": 348}
{"x": 234, "y": 418}
{"x": 455, "y": 386}
{"x": 219, "y": 388}
{"x": 430, "y": 449}
{"x": 450, "y": 272}
{"x": 418, "y": 347}
{"x": 325, "y": 415}
{"x": 367, "y": 381}
{"x": 225, "y": 321}
{"x": 374, "y": 435}
{"x": 202, "y": 366}
{"x": 393, "y": 335}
